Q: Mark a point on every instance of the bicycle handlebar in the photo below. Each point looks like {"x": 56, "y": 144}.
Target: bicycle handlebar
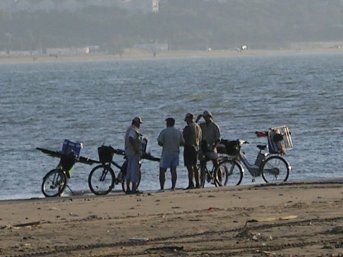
{"x": 242, "y": 142}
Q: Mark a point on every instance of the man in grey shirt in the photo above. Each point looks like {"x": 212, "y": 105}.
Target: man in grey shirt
{"x": 133, "y": 152}
{"x": 170, "y": 139}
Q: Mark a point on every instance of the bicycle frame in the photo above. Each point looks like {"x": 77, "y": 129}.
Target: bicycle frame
{"x": 242, "y": 161}
{"x": 253, "y": 169}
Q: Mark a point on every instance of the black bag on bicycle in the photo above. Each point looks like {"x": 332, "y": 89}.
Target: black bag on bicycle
{"x": 229, "y": 147}
{"x": 105, "y": 154}
{"x": 67, "y": 162}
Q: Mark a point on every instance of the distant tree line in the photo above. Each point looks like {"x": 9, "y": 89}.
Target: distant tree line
{"x": 183, "y": 24}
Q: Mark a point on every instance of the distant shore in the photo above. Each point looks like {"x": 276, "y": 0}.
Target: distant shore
{"x": 299, "y": 219}
{"x": 136, "y": 55}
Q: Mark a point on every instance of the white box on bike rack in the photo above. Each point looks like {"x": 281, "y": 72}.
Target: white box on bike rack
{"x": 285, "y": 142}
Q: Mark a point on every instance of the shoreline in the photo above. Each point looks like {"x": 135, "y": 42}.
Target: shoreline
{"x": 145, "y": 55}
{"x": 88, "y": 193}
{"x": 303, "y": 219}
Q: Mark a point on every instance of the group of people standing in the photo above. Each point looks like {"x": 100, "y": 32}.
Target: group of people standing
{"x": 199, "y": 140}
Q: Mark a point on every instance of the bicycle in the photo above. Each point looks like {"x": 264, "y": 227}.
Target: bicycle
{"x": 217, "y": 175}
{"x": 269, "y": 162}
{"x": 56, "y": 180}
{"x": 102, "y": 179}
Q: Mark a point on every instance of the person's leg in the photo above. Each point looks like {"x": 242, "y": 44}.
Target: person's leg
{"x": 162, "y": 177}
{"x": 193, "y": 160}
{"x": 202, "y": 172}
{"x": 163, "y": 169}
{"x": 187, "y": 155}
{"x": 173, "y": 164}
{"x": 127, "y": 186}
{"x": 173, "y": 177}
{"x": 196, "y": 176}
{"x": 190, "y": 177}
{"x": 135, "y": 176}
{"x": 134, "y": 187}
{"x": 128, "y": 173}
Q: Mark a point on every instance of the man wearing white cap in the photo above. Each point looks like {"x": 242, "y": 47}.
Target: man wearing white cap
{"x": 210, "y": 140}
{"x": 133, "y": 152}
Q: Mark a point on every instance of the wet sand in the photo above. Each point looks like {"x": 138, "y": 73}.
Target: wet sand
{"x": 304, "y": 219}
{"x": 138, "y": 55}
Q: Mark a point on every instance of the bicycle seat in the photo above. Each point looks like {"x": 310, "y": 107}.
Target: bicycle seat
{"x": 262, "y": 147}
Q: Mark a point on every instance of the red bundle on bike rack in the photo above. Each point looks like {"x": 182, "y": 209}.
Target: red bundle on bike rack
{"x": 261, "y": 133}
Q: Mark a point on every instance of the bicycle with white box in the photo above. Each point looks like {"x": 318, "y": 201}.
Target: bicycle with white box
{"x": 270, "y": 162}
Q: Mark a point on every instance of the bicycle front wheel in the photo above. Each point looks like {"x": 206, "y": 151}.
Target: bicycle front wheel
{"x": 101, "y": 180}
{"x": 54, "y": 183}
{"x": 231, "y": 172}
{"x": 220, "y": 175}
{"x": 275, "y": 169}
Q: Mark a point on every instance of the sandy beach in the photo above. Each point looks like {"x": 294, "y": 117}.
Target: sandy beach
{"x": 132, "y": 54}
{"x": 303, "y": 219}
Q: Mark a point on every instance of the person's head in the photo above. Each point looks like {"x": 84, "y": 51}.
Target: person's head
{"x": 170, "y": 122}
{"x": 189, "y": 117}
{"x": 208, "y": 117}
{"x": 137, "y": 121}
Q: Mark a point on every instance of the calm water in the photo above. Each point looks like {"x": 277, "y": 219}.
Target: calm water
{"x": 93, "y": 102}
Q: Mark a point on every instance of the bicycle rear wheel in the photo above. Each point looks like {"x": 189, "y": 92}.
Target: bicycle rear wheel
{"x": 101, "y": 180}
{"x": 233, "y": 172}
{"x": 275, "y": 169}
{"x": 54, "y": 183}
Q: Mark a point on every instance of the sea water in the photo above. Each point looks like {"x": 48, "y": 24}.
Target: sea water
{"x": 94, "y": 102}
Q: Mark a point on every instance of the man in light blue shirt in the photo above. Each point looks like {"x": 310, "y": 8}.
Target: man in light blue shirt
{"x": 170, "y": 139}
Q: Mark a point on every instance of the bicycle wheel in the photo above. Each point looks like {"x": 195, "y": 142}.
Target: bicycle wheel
{"x": 221, "y": 175}
{"x": 231, "y": 172}
{"x": 275, "y": 169}
{"x": 54, "y": 183}
{"x": 101, "y": 180}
